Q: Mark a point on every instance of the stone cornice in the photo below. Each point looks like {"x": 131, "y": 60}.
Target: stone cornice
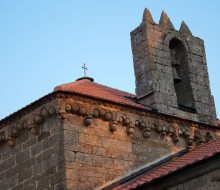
{"x": 60, "y": 94}
{"x": 132, "y": 109}
{"x": 35, "y": 114}
{"x": 26, "y": 110}
{"x": 29, "y": 108}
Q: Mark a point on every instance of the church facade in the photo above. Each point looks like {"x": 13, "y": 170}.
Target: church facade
{"x": 85, "y": 135}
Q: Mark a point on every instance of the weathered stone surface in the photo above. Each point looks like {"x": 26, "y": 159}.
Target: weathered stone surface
{"x": 208, "y": 181}
{"x": 67, "y": 153}
{"x": 165, "y": 21}
{"x": 185, "y": 29}
{"x": 24, "y": 174}
{"x": 43, "y": 135}
{"x": 158, "y": 50}
{"x": 7, "y": 164}
{"x": 90, "y": 156}
{"x": 147, "y": 17}
{"x": 33, "y": 157}
{"x": 22, "y": 156}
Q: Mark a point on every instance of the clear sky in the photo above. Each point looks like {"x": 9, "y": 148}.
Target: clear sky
{"x": 43, "y": 43}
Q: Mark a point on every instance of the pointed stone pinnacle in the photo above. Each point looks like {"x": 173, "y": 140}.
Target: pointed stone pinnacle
{"x": 185, "y": 29}
{"x": 147, "y": 17}
{"x": 165, "y": 21}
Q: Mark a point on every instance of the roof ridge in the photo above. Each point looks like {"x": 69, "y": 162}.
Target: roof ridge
{"x": 56, "y": 88}
{"x": 77, "y": 82}
{"x": 114, "y": 89}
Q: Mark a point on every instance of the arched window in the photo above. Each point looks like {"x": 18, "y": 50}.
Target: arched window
{"x": 181, "y": 75}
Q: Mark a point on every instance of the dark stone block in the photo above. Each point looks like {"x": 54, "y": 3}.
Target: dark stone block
{"x": 22, "y": 156}
{"x": 43, "y": 135}
{"x": 24, "y": 174}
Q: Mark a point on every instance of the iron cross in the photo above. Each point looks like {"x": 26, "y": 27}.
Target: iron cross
{"x": 85, "y": 69}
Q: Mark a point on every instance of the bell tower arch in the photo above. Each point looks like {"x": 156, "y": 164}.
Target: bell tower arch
{"x": 181, "y": 76}
{"x": 171, "y": 70}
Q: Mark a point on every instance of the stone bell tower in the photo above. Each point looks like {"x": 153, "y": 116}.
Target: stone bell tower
{"x": 171, "y": 71}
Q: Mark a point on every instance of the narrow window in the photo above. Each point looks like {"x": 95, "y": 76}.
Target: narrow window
{"x": 181, "y": 75}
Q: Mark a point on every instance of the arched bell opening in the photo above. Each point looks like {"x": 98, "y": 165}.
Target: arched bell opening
{"x": 181, "y": 76}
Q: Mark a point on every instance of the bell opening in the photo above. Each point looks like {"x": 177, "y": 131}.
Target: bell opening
{"x": 176, "y": 81}
{"x": 176, "y": 77}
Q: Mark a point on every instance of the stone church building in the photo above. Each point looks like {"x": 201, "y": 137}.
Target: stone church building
{"x": 85, "y": 135}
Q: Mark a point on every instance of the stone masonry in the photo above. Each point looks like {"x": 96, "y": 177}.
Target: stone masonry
{"x": 157, "y": 50}
{"x": 65, "y": 141}
{"x": 73, "y": 141}
{"x": 33, "y": 157}
{"x": 209, "y": 181}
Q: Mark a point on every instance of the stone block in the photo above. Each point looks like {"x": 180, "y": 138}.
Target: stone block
{"x": 11, "y": 182}
{"x": 36, "y": 149}
{"x": 12, "y": 171}
{"x": 101, "y": 161}
{"x": 38, "y": 169}
{"x": 141, "y": 149}
{"x": 60, "y": 186}
{"x": 70, "y": 156}
{"x": 43, "y": 135}
{"x": 28, "y": 163}
{"x": 24, "y": 137}
{"x": 121, "y": 164}
{"x": 18, "y": 187}
{"x": 29, "y": 186}
{"x": 7, "y": 164}
{"x": 3, "y": 185}
{"x": 43, "y": 183}
{"x": 24, "y": 174}
{"x": 28, "y": 144}
{"x": 83, "y": 158}
{"x": 51, "y": 141}
{"x": 2, "y": 175}
{"x": 52, "y": 162}
{"x": 70, "y": 138}
{"x": 120, "y": 145}
{"x": 44, "y": 155}
{"x": 6, "y": 155}
{"x": 99, "y": 151}
{"x": 57, "y": 178}
{"x": 90, "y": 139}
{"x": 71, "y": 174}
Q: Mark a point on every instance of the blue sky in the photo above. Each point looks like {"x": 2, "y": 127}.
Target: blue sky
{"x": 43, "y": 43}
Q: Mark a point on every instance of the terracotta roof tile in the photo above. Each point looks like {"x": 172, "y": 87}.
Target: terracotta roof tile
{"x": 195, "y": 155}
{"x": 86, "y": 86}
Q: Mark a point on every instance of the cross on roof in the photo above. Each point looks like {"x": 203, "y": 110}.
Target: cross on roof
{"x": 85, "y": 69}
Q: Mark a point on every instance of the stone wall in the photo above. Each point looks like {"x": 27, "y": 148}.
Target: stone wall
{"x": 65, "y": 141}
{"x": 70, "y": 142}
{"x": 103, "y": 141}
{"x": 210, "y": 181}
{"x": 153, "y": 65}
{"x": 94, "y": 155}
{"x": 32, "y": 156}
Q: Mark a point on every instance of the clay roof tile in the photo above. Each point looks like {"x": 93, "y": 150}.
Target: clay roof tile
{"x": 193, "y": 156}
{"x": 86, "y": 86}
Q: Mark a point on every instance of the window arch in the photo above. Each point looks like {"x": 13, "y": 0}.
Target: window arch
{"x": 181, "y": 75}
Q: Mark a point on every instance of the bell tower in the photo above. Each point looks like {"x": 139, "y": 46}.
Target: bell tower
{"x": 171, "y": 70}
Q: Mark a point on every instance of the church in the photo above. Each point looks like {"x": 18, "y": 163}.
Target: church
{"x": 85, "y": 135}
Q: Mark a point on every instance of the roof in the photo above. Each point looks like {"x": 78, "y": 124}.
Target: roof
{"x": 86, "y": 86}
{"x": 177, "y": 163}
